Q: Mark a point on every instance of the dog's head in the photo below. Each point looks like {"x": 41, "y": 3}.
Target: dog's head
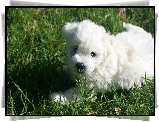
{"x": 86, "y": 48}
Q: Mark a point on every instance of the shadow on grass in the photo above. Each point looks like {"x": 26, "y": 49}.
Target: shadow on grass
{"x": 36, "y": 80}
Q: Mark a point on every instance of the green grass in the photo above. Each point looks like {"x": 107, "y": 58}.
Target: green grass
{"x": 35, "y": 51}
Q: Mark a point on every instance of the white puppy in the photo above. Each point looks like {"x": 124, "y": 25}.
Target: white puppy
{"x": 106, "y": 59}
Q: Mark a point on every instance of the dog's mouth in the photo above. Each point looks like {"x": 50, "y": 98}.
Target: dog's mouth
{"x": 80, "y": 71}
{"x": 80, "y": 67}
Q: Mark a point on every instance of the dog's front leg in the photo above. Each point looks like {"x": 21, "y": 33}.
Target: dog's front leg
{"x": 68, "y": 95}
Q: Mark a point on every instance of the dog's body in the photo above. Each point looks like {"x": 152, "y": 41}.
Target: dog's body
{"x": 106, "y": 59}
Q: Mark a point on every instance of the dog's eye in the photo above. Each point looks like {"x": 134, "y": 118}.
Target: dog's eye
{"x": 93, "y": 54}
{"x": 75, "y": 49}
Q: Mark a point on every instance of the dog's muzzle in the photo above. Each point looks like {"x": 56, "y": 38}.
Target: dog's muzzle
{"x": 80, "y": 67}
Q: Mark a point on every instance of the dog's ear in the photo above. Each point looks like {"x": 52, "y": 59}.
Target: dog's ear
{"x": 68, "y": 29}
{"x": 107, "y": 41}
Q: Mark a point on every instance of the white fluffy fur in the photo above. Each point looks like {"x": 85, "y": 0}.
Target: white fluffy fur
{"x": 121, "y": 60}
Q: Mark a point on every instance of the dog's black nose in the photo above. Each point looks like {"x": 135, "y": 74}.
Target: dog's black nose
{"x": 81, "y": 67}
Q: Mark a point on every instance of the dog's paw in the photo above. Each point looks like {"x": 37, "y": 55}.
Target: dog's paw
{"x": 58, "y": 97}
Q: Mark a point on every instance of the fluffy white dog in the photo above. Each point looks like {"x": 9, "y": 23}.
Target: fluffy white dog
{"x": 106, "y": 59}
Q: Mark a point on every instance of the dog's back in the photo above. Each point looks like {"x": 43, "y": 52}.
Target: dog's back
{"x": 139, "y": 51}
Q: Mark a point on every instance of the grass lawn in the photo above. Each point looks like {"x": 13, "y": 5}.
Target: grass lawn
{"x": 36, "y": 53}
